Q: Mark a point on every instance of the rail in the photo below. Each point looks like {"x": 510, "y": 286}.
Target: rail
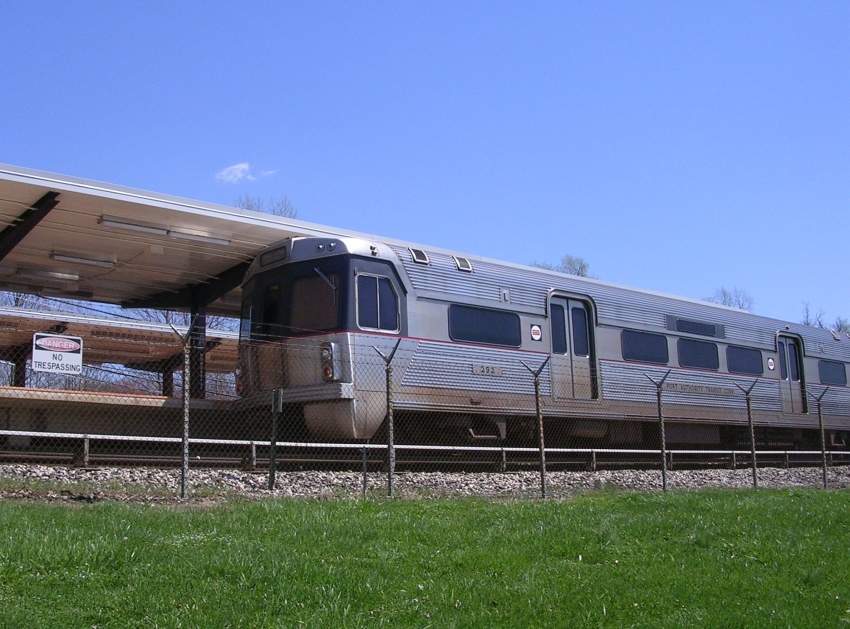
{"x": 411, "y": 447}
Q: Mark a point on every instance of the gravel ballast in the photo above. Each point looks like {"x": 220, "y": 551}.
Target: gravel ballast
{"x": 55, "y": 482}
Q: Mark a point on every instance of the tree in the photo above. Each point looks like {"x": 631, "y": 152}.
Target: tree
{"x": 733, "y": 297}
{"x": 20, "y": 300}
{"x": 277, "y": 206}
{"x": 841, "y": 325}
{"x": 574, "y": 265}
{"x": 813, "y": 319}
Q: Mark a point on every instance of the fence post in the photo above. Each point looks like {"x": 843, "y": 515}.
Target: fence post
{"x": 658, "y": 387}
{"x": 82, "y": 456}
{"x": 184, "y": 459}
{"x": 819, "y": 400}
{"x": 541, "y": 443}
{"x": 187, "y": 396}
{"x": 748, "y": 395}
{"x": 364, "y": 483}
{"x": 250, "y": 460}
{"x": 388, "y": 371}
{"x": 277, "y": 411}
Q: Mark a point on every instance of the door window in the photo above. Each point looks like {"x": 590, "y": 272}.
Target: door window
{"x": 559, "y": 330}
{"x": 794, "y": 361}
{"x": 581, "y": 335}
{"x": 791, "y": 364}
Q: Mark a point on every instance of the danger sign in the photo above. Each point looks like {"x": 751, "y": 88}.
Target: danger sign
{"x": 55, "y": 353}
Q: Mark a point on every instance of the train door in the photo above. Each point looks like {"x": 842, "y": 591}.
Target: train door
{"x": 792, "y": 383}
{"x": 572, "y": 361}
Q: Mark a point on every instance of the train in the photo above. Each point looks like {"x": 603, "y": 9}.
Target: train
{"x": 316, "y": 312}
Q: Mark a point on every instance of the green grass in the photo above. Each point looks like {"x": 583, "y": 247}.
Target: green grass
{"x": 732, "y": 559}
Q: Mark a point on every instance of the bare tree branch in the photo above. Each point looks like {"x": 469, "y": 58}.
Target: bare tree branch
{"x": 813, "y": 319}
{"x": 574, "y": 265}
{"x": 733, "y": 297}
{"x": 841, "y": 325}
{"x": 277, "y": 206}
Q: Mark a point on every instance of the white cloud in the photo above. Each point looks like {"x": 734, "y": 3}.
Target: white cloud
{"x": 236, "y": 173}
{"x": 242, "y": 171}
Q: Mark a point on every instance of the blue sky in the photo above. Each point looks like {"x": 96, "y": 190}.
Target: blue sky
{"x": 675, "y": 146}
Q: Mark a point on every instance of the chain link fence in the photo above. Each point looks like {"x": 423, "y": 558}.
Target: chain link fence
{"x": 374, "y": 415}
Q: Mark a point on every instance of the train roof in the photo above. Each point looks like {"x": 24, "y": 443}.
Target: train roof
{"x": 528, "y": 288}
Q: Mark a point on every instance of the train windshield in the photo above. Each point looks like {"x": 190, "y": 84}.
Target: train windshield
{"x": 293, "y": 300}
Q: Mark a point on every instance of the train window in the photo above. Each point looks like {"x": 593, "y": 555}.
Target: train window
{"x": 581, "y": 341}
{"x": 699, "y": 354}
{"x": 832, "y": 372}
{"x": 482, "y": 325}
{"x": 794, "y": 361}
{"x": 744, "y": 360}
{"x": 645, "y": 347}
{"x": 559, "y": 330}
{"x": 245, "y": 320}
{"x": 387, "y": 305}
{"x": 783, "y": 361}
{"x": 313, "y": 303}
{"x": 269, "y": 323}
{"x": 377, "y": 303}
{"x": 275, "y": 255}
{"x": 367, "y": 301}
{"x": 696, "y": 327}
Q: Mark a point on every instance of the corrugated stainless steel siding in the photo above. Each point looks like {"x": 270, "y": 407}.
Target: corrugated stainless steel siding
{"x": 628, "y": 382}
{"x": 485, "y": 282}
{"x": 835, "y": 402}
{"x": 448, "y": 366}
{"x": 615, "y": 305}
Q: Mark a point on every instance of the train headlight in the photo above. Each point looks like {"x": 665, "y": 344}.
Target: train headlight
{"x": 329, "y": 357}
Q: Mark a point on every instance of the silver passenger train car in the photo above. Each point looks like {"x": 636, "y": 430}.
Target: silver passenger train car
{"x": 314, "y": 309}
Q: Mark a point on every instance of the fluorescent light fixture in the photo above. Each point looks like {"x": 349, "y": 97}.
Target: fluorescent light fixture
{"x": 72, "y": 259}
{"x": 112, "y": 222}
{"x": 53, "y": 275}
{"x": 213, "y": 240}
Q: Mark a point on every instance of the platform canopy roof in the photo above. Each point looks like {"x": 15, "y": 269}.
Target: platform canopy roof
{"x": 73, "y": 238}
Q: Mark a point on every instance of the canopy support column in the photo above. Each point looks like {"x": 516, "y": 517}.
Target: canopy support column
{"x": 19, "y": 370}
{"x": 168, "y": 382}
{"x": 197, "y": 347}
